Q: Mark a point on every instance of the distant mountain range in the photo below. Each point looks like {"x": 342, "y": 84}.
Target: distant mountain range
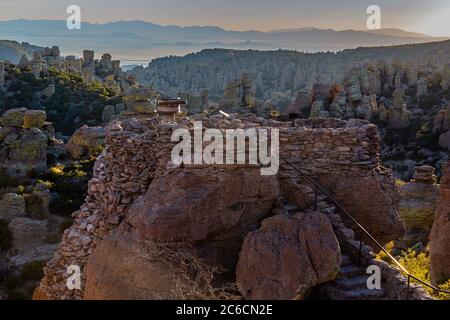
{"x": 12, "y": 50}
{"x": 135, "y": 40}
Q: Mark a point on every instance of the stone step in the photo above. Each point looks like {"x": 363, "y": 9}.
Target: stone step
{"x": 357, "y": 294}
{"x": 329, "y": 210}
{"x": 358, "y": 282}
{"x": 288, "y": 207}
{"x": 346, "y": 260}
{"x": 351, "y": 271}
{"x": 291, "y": 208}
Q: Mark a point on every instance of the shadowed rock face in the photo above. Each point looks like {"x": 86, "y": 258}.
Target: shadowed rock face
{"x": 212, "y": 208}
{"x": 440, "y": 235}
{"x": 287, "y": 257}
{"x": 121, "y": 268}
{"x": 373, "y": 199}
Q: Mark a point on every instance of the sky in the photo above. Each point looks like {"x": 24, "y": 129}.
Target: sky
{"x": 426, "y": 16}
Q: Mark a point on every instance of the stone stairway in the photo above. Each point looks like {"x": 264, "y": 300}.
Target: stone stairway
{"x": 351, "y": 283}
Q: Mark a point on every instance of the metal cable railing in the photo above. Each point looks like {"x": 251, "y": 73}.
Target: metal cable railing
{"x": 364, "y": 230}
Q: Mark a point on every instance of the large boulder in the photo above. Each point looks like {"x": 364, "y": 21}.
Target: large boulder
{"x": 212, "y": 208}
{"x": 372, "y": 198}
{"x": 121, "y": 268}
{"x": 13, "y": 117}
{"x": 86, "y": 141}
{"x": 34, "y": 119}
{"x": 287, "y": 257}
{"x": 440, "y": 235}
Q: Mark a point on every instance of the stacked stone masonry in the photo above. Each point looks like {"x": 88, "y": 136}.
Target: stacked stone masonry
{"x": 139, "y": 151}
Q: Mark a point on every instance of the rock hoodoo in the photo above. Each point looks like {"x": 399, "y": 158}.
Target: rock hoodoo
{"x": 418, "y": 203}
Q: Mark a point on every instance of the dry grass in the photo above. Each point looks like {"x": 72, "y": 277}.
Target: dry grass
{"x": 194, "y": 277}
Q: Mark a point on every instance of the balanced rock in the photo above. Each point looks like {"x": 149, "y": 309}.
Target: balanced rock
{"x": 419, "y": 199}
{"x": 425, "y": 174}
{"x": 287, "y": 257}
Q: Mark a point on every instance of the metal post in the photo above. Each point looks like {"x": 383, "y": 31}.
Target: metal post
{"x": 407, "y": 290}
{"x": 360, "y": 250}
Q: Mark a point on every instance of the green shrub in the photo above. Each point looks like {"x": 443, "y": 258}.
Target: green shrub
{"x": 419, "y": 266}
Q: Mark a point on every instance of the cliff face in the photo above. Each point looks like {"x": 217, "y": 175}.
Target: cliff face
{"x": 137, "y": 198}
{"x": 440, "y": 235}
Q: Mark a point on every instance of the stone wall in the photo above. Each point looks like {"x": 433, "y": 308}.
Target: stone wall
{"x": 138, "y": 153}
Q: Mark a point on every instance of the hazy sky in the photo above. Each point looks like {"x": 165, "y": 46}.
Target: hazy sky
{"x": 426, "y": 16}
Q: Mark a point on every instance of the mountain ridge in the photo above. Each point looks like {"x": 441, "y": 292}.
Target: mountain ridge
{"x": 136, "y": 39}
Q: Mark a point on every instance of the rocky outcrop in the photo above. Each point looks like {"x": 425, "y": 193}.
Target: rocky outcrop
{"x": 137, "y": 191}
{"x": 13, "y": 118}
{"x": 440, "y": 235}
{"x": 85, "y": 142}
{"x": 214, "y": 209}
{"x": 24, "y": 139}
{"x": 301, "y": 104}
{"x": 419, "y": 199}
{"x": 287, "y": 257}
{"x": 34, "y": 119}
{"x": 372, "y": 198}
{"x": 12, "y": 206}
{"x": 399, "y": 116}
{"x": 27, "y": 234}
{"x": 239, "y": 94}
{"x": 119, "y": 255}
